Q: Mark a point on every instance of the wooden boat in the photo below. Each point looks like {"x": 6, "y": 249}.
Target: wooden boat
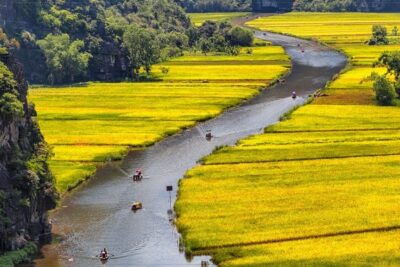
{"x": 137, "y": 205}
{"x": 104, "y": 258}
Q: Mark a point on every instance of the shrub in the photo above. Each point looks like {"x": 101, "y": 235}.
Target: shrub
{"x": 10, "y": 106}
{"x": 12, "y": 258}
{"x": 379, "y": 35}
{"x": 384, "y": 91}
{"x": 241, "y": 37}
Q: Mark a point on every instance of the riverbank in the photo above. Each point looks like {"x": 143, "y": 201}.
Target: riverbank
{"x": 99, "y": 211}
{"x": 24, "y": 255}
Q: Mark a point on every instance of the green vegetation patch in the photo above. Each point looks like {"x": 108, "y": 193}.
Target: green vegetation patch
{"x": 199, "y": 18}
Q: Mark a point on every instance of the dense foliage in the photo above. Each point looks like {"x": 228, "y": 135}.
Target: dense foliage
{"x": 385, "y": 88}
{"x": 143, "y": 48}
{"x": 12, "y": 258}
{"x": 384, "y": 91}
{"x": 64, "y": 58}
{"x": 215, "y": 5}
{"x": 26, "y": 184}
{"x": 93, "y": 31}
{"x": 221, "y": 37}
{"x": 379, "y": 35}
{"x": 112, "y": 40}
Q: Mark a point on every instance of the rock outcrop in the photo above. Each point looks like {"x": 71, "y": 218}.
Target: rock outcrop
{"x": 26, "y": 185}
{"x": 272, "y": 5}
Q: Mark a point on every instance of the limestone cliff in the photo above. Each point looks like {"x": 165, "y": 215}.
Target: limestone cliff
{"x": 26, "y": 184}
{"x": 272, "y": 5}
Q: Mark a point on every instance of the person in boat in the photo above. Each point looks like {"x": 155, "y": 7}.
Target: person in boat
{"x": 104, "y": 253}
{"x": 138, "y": 175}
{"x": 294, "y": 95}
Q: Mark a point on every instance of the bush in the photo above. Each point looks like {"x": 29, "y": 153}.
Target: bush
{"x": 384, "y": 91}
{"x": 241, "y": 37}
{"x": 397, "y": 88}
{"x": 12, "y": 258}
{"x": 379, "y": 35}
{"x": 10, "y": 106}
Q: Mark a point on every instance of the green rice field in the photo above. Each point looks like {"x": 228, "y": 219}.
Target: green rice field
{"x": 319, "y": 189}
{"x": 102, "y": 121}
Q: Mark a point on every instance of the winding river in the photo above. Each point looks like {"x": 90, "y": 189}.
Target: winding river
{"x": 98, "y": 214}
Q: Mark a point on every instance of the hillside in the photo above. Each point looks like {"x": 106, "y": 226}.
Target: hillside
{"x": 26, "y": 184}
{"x": 98, "y": 24}
{"x": 215, "y": 5}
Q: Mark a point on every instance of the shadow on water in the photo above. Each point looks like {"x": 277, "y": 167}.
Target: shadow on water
{"x": 98, "y": 214}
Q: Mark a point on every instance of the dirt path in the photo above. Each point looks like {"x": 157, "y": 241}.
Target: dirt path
{"x": 98, "y": 214}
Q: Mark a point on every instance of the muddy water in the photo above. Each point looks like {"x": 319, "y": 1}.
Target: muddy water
{"x": 98, "y": 214}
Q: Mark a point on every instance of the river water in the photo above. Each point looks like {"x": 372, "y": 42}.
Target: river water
{"x": 98, "y": 214}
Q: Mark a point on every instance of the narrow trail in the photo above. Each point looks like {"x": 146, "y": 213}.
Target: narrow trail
{"x": 302, "y": 238}
{"x": 98, "y": 214}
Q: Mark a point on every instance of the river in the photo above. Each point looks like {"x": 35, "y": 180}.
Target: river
{"x": 98, "y": 214}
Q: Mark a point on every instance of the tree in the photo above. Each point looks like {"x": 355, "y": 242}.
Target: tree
{"x": 205, "y": 45}
{"x": 395, "y": 31}
{"x": 391, "y": 60}
{"x": 384, "y": 91}
{"x": 8, "y": 43}
{"x": 379, "y": 35}
{"x": 241, "y": 37}
{"x": 64, "y": 58}
{"x": 143, "y": 48}
{"x": 10, "y": 106}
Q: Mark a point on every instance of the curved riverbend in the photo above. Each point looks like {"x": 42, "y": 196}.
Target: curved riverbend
{"x": 98, "y": 214}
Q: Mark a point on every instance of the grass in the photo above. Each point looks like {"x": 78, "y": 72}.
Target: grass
{"x": 88, "y": 125}
{"x": 331, "y": 169}
{"x": 199, "y": 18}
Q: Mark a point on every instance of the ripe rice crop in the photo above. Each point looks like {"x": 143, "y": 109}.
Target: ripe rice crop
{"x": 318, "y": 189}
{"x": 102, "y": 121}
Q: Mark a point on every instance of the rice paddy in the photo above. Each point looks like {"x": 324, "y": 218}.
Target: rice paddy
{"x": 199, "y": 18}
{"x": 318, "y": 189}
{"x": 90, "y": 124}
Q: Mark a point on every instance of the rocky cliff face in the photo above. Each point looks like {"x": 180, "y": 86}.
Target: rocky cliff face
{"x": 26, "y": 184}
{"x": 272, "y": 5}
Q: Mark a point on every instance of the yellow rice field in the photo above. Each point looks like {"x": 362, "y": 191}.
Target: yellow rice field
{"x": 90, "y": 124}
{"x": 318, "y": 189}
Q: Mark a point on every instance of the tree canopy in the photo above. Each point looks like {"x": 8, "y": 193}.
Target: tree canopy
{"x": 143, "y": 48}
{"x": 64, "y": 58}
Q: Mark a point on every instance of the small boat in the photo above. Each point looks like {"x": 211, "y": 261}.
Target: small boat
{"x": 104, "y": 258}
{"x": 137, "y": 177}
{"x": 137, "y": 205}
{"x": 209, "y": 135}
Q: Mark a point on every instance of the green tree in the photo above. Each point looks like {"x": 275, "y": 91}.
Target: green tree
{"x": 384, "y": 91}
{"x": 143, "y": 48}
{"x": 205, "y": 46}
{"x": 395, "y": 31}
{"x": 10, "y": 106}
{"x": 64, "y": 58}
{"x": 391, "y": 60}
{"x": 241, "y": 37}
{"x": 379, "y": 35}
